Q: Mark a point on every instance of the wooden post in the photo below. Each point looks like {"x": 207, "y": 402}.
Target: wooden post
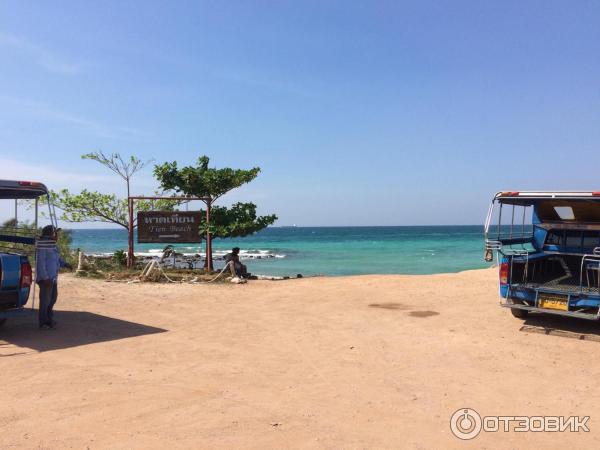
{"x": 209, "y": 261}
{"x": 130, "y": 234}
{"x": 130, "y": 206}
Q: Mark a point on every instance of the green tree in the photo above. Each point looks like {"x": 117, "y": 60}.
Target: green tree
{"x": 236, "y": 221}
{"x": 202, "y": 181}
{"x": 93, "y": 206}
{"x": 123, "y": 167}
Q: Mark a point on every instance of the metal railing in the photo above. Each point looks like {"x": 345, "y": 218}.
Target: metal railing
{"x": 510, "y": 239}
{"x": 593, "y": 258}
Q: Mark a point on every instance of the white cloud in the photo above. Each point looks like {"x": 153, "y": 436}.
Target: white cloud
{"x": 47, "y": 112}
{"x": 41, "y": 56}
{"x": 260, "y": 80}
{"x": 52, "y": 177}
{"x": 56, "y": 177}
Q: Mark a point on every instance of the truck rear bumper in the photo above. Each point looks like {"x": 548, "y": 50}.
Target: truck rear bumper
{"x": 583, "y": 304}
{"x": 576, "y": 314}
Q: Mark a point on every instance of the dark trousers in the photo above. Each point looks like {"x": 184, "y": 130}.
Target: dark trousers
{"x": 240, "y": 269}
{"x": 48, "y": 295}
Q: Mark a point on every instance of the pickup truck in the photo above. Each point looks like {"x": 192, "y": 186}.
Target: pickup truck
{"x": 16, "y": 245}
{"x": 548, "y": 252}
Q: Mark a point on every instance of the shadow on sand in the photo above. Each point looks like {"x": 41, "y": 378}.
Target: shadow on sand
{"x": 583, "y": 330}
{"x": 75, "y": 328}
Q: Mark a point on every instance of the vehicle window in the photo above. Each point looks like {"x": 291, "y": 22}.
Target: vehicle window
{"x": 565, "y": 212}
{"x": 591, "y": 239}
{"x": 554, "y": 237}
{"x": 573, "y": 239}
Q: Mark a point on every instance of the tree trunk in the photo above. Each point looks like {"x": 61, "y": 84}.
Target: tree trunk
{"x": 130, "y": 257}
{"x": 209, "y": 260}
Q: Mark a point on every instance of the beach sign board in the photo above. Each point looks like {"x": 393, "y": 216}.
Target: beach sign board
{"x": 169, "y": 227}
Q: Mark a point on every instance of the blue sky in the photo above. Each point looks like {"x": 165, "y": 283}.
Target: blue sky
{"x": 359, "y": 113}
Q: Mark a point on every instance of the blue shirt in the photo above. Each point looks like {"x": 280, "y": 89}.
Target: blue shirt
{"x": 47, "y": 260}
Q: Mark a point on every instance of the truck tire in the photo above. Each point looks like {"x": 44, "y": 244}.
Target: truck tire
{"x": 519, "y": 313}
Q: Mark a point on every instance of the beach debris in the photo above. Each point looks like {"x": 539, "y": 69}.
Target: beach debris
{"x": 83, "y": 264}
{"x": 152, "y": 271}
{"x": 274, "y": 278}
{"x": 154, "y": 263}
{"x": 276, "y": 424}
{"x": 178, "y": 258}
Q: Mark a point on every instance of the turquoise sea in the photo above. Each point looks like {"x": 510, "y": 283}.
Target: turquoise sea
{"x": 330, "y": 250}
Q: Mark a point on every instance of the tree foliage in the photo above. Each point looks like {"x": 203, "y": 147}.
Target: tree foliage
{"x": 124, "y": 167}
{"x": 237, "y": 221}
{"x": 93, "y": 206}
{"x": 202, "y": 181}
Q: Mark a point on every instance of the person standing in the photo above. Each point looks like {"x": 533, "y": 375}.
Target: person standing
{"x": 47, "y": 264}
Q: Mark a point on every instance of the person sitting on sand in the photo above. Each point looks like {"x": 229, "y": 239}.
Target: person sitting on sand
{"x": 234, "y": 257}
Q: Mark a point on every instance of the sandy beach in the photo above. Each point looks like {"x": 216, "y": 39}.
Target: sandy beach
{"x": 331, "y": 363}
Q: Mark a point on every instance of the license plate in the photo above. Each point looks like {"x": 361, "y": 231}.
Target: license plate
{"x": 553, "y": 301}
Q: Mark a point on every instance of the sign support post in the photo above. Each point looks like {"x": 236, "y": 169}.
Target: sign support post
{"x": 209, "y": 261}
{"x": 130, "y": 256}
{"x": 130, "y": 205}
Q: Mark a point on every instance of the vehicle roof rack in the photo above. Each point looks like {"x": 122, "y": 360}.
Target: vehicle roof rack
{"x": 10, "y": 189}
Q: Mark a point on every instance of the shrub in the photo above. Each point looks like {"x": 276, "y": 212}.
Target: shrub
{"x": 120, "y": 258}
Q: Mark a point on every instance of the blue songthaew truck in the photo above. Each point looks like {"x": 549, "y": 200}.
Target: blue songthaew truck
{"x": 17, "y": 246}
{"x": 547, "y": 246}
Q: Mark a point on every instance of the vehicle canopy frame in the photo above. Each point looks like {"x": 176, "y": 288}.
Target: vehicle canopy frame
{"x": 574, "y": 217}
{"x": 17, "y": 245}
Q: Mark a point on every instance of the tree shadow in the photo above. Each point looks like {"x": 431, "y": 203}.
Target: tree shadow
{"x": 75, "y": 328}
{"x": 571, "y": 327}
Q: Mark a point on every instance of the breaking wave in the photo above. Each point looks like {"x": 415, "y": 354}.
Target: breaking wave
{"x": 185, "y": 252}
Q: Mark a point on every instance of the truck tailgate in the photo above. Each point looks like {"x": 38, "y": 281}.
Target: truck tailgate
{"x": 10, "y": 271}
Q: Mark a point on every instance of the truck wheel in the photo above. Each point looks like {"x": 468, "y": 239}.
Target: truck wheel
{"x": 2, "y": 322}
{"x": 519, "y": 313}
